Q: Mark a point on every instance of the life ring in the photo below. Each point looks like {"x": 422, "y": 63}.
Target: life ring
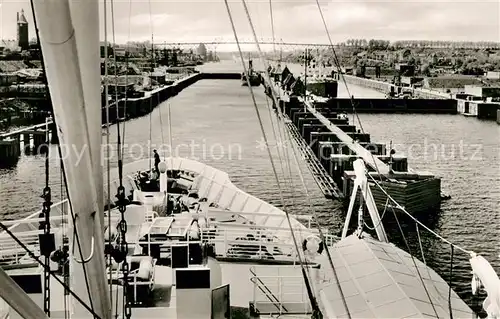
{"x": 313, "y": 245}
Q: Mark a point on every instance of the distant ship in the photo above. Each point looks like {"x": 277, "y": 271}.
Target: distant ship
{"x": 325, "y": 87}
{"x": 253, "y": 77}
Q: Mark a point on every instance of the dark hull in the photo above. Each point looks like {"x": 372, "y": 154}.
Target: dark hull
{"x": 323, "y": 88}
{"x": 254, "y": 80}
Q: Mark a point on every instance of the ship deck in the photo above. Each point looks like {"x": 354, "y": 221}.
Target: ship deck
{"x": 257, "y": 259}
{"x": 238, "y": 275}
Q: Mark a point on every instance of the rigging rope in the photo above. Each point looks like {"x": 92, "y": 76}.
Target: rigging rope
{"x": 161, "y": 132}
{"x": 424, "y": 261}
{"x": 282, "y": 129}
{"x": 381, "y": 217}
{"x": 127, "y": 54}
{"x": 121, "y": 200}
{"x": 450, "y": 309}
{"x": 151, "y": 100}
{"x": 417, "y": 221}
{"x": 280, "y": 138}
{"x": 284, "y": 138}
{"x": 255, "y": 106}
{"x": 378, "y": 185}
{"x": 339, "y": 71}
{"x": 169, "y": 118}
{"x": 429, "y": 230}
{"x": 414, "y": 263}
{"x": 320, "y": 231}
{"x": 46, "y": 195}
{"x": 420, "y": 244}
{"x": 108, "y": 151}
{"x": 272, "y": 24}
{"x": 65, "y": 266}
{"x": 336, "y": 60}
{"x": 117, "y": 105}
{"x": 47, "y": 206}
{"x": 280, "y": 144}
{"x": 304, "y": 271}
{"x": 150, "y": 134}
{"x": 301, "y": 175}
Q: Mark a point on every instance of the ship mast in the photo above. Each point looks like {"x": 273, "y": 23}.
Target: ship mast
{"x": 85, "y": 18}
{"x": 75, "y": 108}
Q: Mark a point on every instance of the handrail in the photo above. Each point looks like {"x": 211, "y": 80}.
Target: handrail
{"x": 34, "y": 220}
{"x": 222, "y": 211}
{"x": 250, "y": 241}
{"x": 34, "y": 215}
{"x": 255, "y": 277}
{"x": 30, "y": 128}
{"x": 276, "y": 303}
{"x": 258, "y": 227}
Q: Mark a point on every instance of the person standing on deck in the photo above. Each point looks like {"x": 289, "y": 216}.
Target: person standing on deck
{"x": 157, "y": 160}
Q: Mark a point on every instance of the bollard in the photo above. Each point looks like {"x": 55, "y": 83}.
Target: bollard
{"x": 39, "y": 142}
{"x": 27, "y": 140}
{"x": 9, "y": 151}
{"x": 54, "y": 139}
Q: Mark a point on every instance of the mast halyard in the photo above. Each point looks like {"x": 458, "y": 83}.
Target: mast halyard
{"x": 72, "y": 110}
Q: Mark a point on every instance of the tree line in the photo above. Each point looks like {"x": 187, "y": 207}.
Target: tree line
{"x": 384, "y": 44}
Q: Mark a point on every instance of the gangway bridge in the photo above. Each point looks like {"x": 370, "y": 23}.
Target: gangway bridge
{"x": 362, "y": 152}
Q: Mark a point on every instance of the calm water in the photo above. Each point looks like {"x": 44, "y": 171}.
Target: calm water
{"x": 214, "y": 121}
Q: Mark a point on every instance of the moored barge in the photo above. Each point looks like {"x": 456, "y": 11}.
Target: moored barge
{"x": 336, "y": 144}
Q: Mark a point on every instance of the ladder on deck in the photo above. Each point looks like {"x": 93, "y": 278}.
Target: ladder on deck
{"x": 267, "y": 292}
{"x": 321, "y": 176}
{"x": 279, "y": 291}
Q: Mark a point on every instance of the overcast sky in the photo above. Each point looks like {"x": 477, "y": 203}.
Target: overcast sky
{"x": 295, "y": 20}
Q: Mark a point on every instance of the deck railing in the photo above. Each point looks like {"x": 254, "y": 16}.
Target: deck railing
{"x": 279, "y": 290}
{"x": 271, "y": 241}
{"x": 242, "y": 241}
{"x": 27, "y": 232}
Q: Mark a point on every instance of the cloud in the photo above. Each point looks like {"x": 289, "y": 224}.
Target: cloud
{"x": 145, "y": 20}
{"x": 294, "y": 20}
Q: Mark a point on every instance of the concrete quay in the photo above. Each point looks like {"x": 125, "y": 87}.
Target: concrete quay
{"x": 438, "y": 102}
{"x": 386, "y": 87}
{"x": 34, "y": 137}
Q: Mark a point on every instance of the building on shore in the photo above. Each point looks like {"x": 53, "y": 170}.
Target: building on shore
{"x": 22, "y": 31}
{"x": 493, "y": 75}
{"x": 483, "y": 92}
{"x": 7, "y": 46}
